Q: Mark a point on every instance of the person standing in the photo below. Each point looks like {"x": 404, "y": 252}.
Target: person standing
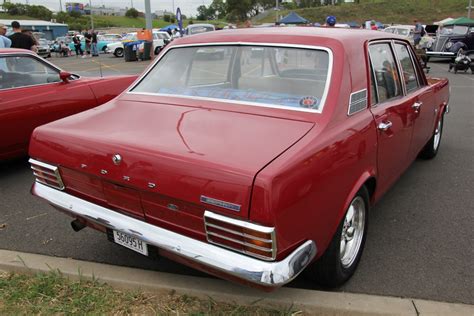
{"x": 88, "y": 39}
{"x": 19, "y": 39}
{"x": 77, "y": 45}
{"x": 417, "y": 32}
{"x": 95, "y": 52}
{"x": 5, "y": 42}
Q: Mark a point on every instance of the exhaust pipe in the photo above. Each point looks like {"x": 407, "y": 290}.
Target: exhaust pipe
{"x": 77, "y": 225}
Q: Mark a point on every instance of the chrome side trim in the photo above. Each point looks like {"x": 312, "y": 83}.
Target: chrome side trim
{"x": 268, "y": 44}
{"x": 259, "y": 272}
{"x": 441, "y": 54}
{"x": 244, "y": 224}
{"x": 53, "y": 171}
{"x": 220, "y": 203}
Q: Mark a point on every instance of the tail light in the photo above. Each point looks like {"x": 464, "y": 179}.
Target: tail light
{"x": 47, "y": 174}
{"x": 248, "y": 238}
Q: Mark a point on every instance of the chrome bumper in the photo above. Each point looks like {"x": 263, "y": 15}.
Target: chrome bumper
{"x": 440, "y": 54}
{"x": 263, "y": 273}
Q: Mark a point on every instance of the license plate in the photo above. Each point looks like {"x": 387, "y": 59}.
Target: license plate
{"x": 131, "y": 242}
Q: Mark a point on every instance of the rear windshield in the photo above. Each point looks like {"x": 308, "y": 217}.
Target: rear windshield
{"x": 290, "y": 78}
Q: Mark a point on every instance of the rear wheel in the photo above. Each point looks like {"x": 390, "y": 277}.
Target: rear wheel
{"x": 340, "y": 260}
{"x": 118, "y": 52}
{"x": 157, "y": 50}
{"x": 431, "y": 148}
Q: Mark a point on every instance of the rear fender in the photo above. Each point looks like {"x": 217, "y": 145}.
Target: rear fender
{"x": 366, "y": 175}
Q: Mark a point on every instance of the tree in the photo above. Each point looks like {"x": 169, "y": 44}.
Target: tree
{"x": 132, "y": 13}
{"x": 203, "y": 13}
{"x": 238, "y": 10}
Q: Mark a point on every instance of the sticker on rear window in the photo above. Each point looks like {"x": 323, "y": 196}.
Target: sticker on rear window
{"x": 309, "y": 103}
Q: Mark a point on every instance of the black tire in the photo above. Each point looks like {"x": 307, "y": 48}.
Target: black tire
{"x": 329, "y": 270}
{"x": 157, "y": 50}
{"x": 432, "y": 146}
{"x": 118, "y": 52}
{"x": 104, "y": 49}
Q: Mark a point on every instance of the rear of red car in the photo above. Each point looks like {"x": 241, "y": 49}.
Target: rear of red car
{"x": 171, "y": 164}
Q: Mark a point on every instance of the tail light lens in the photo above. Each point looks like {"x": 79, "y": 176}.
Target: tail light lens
{"x": 47, "y": 174}
{"x": 248, "y": 238}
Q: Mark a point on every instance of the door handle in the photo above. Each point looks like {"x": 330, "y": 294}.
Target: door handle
{"x": 384, "y": 126}
{"x": 416, "y": 106}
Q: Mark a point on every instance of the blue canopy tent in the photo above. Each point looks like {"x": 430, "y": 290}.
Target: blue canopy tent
{"x": 169, "y": 28}
{"x": 293, "y": 18}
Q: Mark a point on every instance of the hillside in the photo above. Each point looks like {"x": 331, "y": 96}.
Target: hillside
{"x": 115, "y": 21}
{"x": 385, "y": 11}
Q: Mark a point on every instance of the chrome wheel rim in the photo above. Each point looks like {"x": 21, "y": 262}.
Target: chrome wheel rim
{"x": 352, "y": 232}
{"x": 437, "y": 136}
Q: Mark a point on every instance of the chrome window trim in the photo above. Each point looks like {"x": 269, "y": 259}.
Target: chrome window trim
{"x": 267, "y": 44}
{"x": 244, "y": 224}
{"x": 389, "y": 42}
{"x": 410, "y": 54}
{"x": 41, "y": 60}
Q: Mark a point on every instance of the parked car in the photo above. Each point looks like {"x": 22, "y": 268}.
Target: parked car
{"x": 101, "y": 44}
{"x": 252, "y": 167}
{"x": 446, "y": 38}
{"x": 160, "y": 39}
{"x": 193, "y": 29}
{"x": 43, "y": 48}
{"x": 34, "y": 92}
{"x": 406, "y": 31}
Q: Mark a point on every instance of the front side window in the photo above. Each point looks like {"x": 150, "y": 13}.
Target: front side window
{"x": 385, "y": 69}
{"x": 291, "y": 78}
{"x": 408, "y": 69}
{"x": 23, "y": 71}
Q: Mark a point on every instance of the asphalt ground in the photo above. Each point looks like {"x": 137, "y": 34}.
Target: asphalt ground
{"x": 420, "y": 238}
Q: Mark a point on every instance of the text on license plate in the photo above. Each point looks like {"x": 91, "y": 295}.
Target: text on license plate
{"x": 131, "y": 242}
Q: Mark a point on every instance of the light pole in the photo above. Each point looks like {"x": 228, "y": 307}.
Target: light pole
{"x": 469, "y": 9}
{"x": 92, "y": 19}
{"x": 149, "y": 24}
{"x": 60, "y": 6}
{"x": 276, "y": 11}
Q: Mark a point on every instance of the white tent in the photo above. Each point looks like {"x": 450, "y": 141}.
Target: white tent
{"x": 443, "y": 21}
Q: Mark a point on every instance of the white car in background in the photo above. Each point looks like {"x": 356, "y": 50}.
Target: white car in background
{"x": 160, "y": 39}
{"x": 198, "y": 28}
{"x": 407, "y": 31}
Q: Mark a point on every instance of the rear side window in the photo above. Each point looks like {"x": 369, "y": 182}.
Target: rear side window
{"x": 408, "y": 69}
{"x": 385, "y": 70}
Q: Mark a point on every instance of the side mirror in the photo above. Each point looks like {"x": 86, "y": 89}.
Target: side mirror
{"x": 64, "y": 76}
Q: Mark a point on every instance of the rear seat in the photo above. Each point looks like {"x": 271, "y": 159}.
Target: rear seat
{"x": 297, "y": 87}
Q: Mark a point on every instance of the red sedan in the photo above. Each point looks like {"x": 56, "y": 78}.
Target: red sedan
{"x": 34, "y": 92}
{"x": 250, "y": 154}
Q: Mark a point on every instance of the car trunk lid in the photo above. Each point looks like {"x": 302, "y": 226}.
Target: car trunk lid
{"x": 164, "y": 162}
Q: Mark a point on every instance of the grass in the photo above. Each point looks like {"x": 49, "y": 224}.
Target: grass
{"x": 385, "y": 11}
{"x": 52, "y": 293}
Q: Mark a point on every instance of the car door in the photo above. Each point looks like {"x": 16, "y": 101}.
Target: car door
{"x": 423, "y": 107}
{"x": 392, "y": 112}
{"x": 32, "y": 94}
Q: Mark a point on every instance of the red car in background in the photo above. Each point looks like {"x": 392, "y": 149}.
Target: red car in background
{"x": 250, "y": 154}
{"x": 34, "y": 92}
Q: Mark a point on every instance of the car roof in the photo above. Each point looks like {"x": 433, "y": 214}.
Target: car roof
{"x": 289, "y": 35}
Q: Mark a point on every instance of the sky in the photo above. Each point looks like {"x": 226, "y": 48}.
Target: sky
{"x": 188, "y": 7}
